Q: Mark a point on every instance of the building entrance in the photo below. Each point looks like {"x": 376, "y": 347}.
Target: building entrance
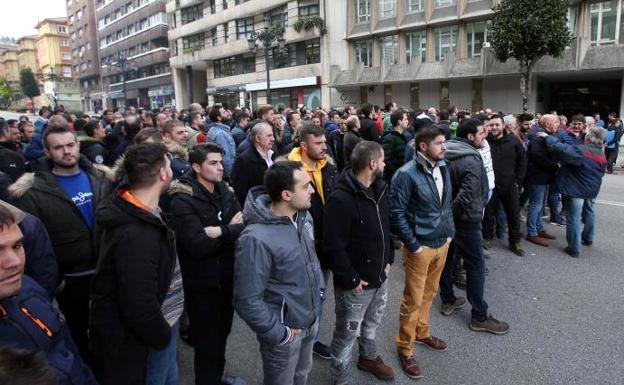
{"x": 585, "y": 97}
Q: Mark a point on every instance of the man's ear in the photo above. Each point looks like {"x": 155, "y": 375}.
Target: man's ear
{"x": 196, "y": 168}
{"x": 286, "y": 195}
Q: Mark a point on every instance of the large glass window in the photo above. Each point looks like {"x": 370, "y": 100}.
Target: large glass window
{"x": 283, "y": 58}
{"x": 194, "y": 42}
{"x": 390, "y": 49}
{"x": 416, "y": 46}
{"x": 308, "y": 9}
{"x": 249, "y": 63}
{"x": 362, "y": 11}
{"x": 364, "y": 52}
{"x": 224, "y": 67}
{"x": 444, "y": 3}
{"x": 192, "y": 13}
{"x": 244, "y": 28}
{"x": 414, "y": 5}
{"x": 313, "y": 51}
{"x": 386, "y": 8}
{"x": 476, "y": 35}
{"x": 605, "y": 22}
{"x": 446, "y": 41}
{"x": 278, "y": 16}
{"x": 571, "y": 19}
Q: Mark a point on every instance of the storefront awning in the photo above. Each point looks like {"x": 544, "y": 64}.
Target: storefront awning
{"x": 288, "y": 83}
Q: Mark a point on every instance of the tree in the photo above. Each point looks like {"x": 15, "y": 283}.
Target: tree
{"x": 527, "y": 31}
{"x": 6, "y": 91}
{"x": 28, "y": 84}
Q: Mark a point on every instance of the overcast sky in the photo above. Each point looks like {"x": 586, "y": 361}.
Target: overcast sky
{"x": 19, "y": 17}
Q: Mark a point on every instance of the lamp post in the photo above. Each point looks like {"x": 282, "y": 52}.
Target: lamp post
{"x": 51, "y": 75}
{"x": 268, "y": 36}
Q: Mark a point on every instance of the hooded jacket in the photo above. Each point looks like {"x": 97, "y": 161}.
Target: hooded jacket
{"x": 137, "y": 256}
{"x": 368, "y": 129}
{"x": 39, "y": 194}
{"x": 469, "y": 180}
{"x": 509, "y": 161}
{"x": 206, "y": 262}
{"x": 220, "y": 134}
{"x": 356, "y": 230}
{"x": 418, "y": 216}
{"x": 94, "y": 150}
{"x": 325, "y": 176}
{"x": 278, "y": 283}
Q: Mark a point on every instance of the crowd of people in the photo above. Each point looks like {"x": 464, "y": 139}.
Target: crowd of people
{"x": 118, "y": 234}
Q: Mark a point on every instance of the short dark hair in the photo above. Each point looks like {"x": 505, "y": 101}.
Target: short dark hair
{"x": 481, "y": 117}
{"x": 468, "y": 126}
{"x": 55, "y": 131}
{"x": 192, "y": 116}
{"x": 23, "y": 124}
{"x": 444, "y": 115}
{"x": 332, "y": 113}
{"x": 578, "y": 118}
{"x": 25, "y": 367}
{"x": 214, "y": 112}
{"x": 279, "y": 177}
{"x": 170, "y": 125}
{"x": 240, "y": 115}
{"x": 427, "y": 134}
{"x": 290, "y": 115}
{"x": 11, "y": 121}
{"x": 199, "y": 153}
{"x": 526, "y": 117}
{"x": 132, "y": 125}
{"x": 497, "y": 116}
{"x": 396, "y": 116}
{"x": 363, "y": 153}
{"x": 389, "y": 106}
{"x": 143, "y": 162}
{"x": 366, "y": 109}
{"x": 43, "y": 110}
{"x": 106, "y": 112}
{"x": 6, "y": 218}
{"x": 308, "y": 129}
{"x": 263, "y": 109}
{"x": 147, "y": 133}
{"x": 90, "y": 127}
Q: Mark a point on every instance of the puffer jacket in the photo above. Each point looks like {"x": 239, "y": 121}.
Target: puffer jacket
{"x": 94, "y": 150}
{"x": 469, "y": 180}
{"x": 418, "y": 216}
{"x": 278, "y": 281}
{"x": 394, "y": 144}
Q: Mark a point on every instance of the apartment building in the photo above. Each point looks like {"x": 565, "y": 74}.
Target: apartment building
{"x": 134, "y": 52}
{"x": 212, "y": 61}
{"x": 9, "y": 67}
{"x": 423, "y": 53}
{"x": 84, "y": 53}
{"x": 27, "y": 54}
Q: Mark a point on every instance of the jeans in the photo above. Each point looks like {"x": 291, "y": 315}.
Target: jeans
{"x": 537, "y": 194}
{"x": 510, "y": 202}
{"x": 289, "y": 364}
{"x": 356, "y": 315}
{"x": 467, "y": 244}
{"x": 553, "y": 202}
{"x": 162, "y": 364}
{"x": 326, "y": 277}
{"x": 579, "y": 210}
{"x": 612, "y": 154}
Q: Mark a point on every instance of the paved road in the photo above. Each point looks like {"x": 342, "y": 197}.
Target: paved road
{"x": 566, "y": 318}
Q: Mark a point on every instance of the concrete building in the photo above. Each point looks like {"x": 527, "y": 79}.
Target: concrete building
{"x": 84, "y": 53}
{"x": 212, "y": 61}
{"x": 27, "y": 54}
{"x": 9, "y": 66}
{"x": 134, "y": 52}
{"x": 423, "y": 53}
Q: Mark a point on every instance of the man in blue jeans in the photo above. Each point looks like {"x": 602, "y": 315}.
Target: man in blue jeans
{"x": 541, "y": 170}
{"x": 579, "y": 180}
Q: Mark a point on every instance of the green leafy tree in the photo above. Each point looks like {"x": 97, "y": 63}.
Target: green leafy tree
{"x": 6, "y": 91}
{"x": 527, "y": 31}
{"x": 28, "y": 84}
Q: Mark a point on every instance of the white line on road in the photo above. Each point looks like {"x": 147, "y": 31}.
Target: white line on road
{"x": 610, "y": 203}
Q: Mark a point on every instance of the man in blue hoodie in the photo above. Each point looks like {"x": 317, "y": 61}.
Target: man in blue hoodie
{"x": 220, "y": 133}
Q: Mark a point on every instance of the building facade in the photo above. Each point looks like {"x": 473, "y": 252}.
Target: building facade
{"x": 212, "y": 60}
{"x": 84, "y": 53}
{"x": 134, "y": 52}
{"x": 9, "y": 66}
{"x": 423, "y": 53}
{"x": 27, "y": 54}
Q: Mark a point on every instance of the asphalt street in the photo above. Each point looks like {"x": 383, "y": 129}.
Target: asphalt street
{"x": 566, "y": 318}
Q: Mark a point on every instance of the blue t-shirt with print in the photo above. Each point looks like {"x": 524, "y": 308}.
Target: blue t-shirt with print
{"x": 78, "y": 187}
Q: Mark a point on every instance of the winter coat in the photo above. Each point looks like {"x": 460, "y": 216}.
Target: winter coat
{"x": 40, "y": 195}
{"x": 248, "y": 172}
{"x": 368, "y": 129}
{"x": 356, "y": 230}
{"x": 11, "y": 163}
{"x": 220, "y": 134}
{"x": 583, "y": 167}
{"x": 418, "y": 216}
{"x": 509, "y": 161}
{"x": 30, "y": 322}
{"x": 278, "y": 281}
{"x": 137, "y": 256}
{"x": 41, "y": 262}
{"x": 335, "y": 146}
{"x": 351, "y": 139}
{"x": 570, "y": 138}
{"x": 469, "y": 181}
{"x": 206, "y": 262}
{"x": 394, "y": 144}
{"x": 541, "y": 166}
{"x": 94, "y": 150}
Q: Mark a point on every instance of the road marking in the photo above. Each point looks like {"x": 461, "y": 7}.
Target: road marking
{"x": 610, "y": 203}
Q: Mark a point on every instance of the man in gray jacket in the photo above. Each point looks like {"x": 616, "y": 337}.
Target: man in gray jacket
{"x": 278, "y": 282}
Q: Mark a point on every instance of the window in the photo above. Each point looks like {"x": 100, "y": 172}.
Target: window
{"x": 283, "y": 58}
{"x": 362, "y": 11}
{"x": 74, "y": 52}
{"x": 416, "y": 46}
{"x": 224, "y": 67}
{"x": 65, "y": 56}
{"x": 415, "y": 96}
{"x": 313, "y": 51}
{"x": 129, "y": 7}
{"x": 88, "y": 46}
{"x": 390, "y": 49}
{"x": 80, "y": 32}
{"x": 83, "y": 66}
{"x": 309, "y": 10}
{"x": 605, "y": 22}
{"x": 364, "y": 52}
{"x": 238, "y": 2}
{"x": 72, "y": 35}
{"x": 225, "y": 4}
{"x": 192, "y": 13}
{"x": 571, "y": 19}
{"x": 244, "y": 28}
{"x": 249, "y": 63}
{"x": 476, "y": 35}
{"x": 445, "y": 103}
{"x": 194, "y": 42}
{"x": 71, "y": 19}
{"x": 414, "y": 5}
{"x": 79, "y": 15}
{"x": 63, "y": 29}
{"x": 65, "y": 42}
{"x": 67, "y": 72}
{"x": 446, "y": 41}
{"x": 143, "y": 24}
{"x": 226, "y": 32}
{"x": 278, "y": 16}
{"x": 145, "y": 47}
{"x": 131, "y": 29}
{"x": 444, "y": 3}
{"x": 386, "y": 8}
{"x": 388, "y": 93}
{"x": 214, "y": 38}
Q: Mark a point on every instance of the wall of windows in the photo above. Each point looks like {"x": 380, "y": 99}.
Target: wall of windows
{"x": 192, "y": 13}
{"x": 132, "y": 29}
{"x": 308, "y": 8}
{"x": 414, "y": 5}
{"x": 364, "y": 52}
{"x": 362, "y": 11}
{"x": 244, "y": 28}
{"x": 278, "y": 16}
{"x": 476, "y": 35}
{"x": 389, "y": 47}
{"x": 301, "y": 53}
{"x": 416, "y": 46}
{"x": 605, "y": 22}
{"x": 224, "y": 67}
{"x": 194, "y": 42}
{"x": 386, "y": 8}
{"x": 445, "y": 41}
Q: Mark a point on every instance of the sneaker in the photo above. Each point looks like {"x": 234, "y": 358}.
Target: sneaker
{"x": 486, "y": 244}
{"x": 486, "y": 253}
{"x": 433, "y": 343}
{"x": 448, "y": 308}
{"x": 546, "y": 235}
{"x": 587, "y": 243}
{"x": 516, "y": 249}
{"x": 231, "y": 380}
{"x": 571, "y": 253}
{"x": 376, "y": 367}
{"x": 460, "y": 279}
{"x": 321, "y": 350}
{"x": 490, "y": 325}
{"x": 537, "y": 240}
{"x": 410, "y": 366}
{"x": 560, "y": 222}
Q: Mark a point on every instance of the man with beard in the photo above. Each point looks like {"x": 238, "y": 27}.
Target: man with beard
{"x": 207, "y": 219}
{"x": 311, "y": 153}
{"x": 64, "y": 194}
{"x": 422, "y": 217}
{"x": 278, "y": 283}
{"x": 137, "y": 294}
{"x": 357, "y": 236}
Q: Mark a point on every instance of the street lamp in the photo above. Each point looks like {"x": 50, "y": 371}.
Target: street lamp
{"x": 122, "y": 63}
{"x": 268, "y": 36}
{"x": 51, "y": 75}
